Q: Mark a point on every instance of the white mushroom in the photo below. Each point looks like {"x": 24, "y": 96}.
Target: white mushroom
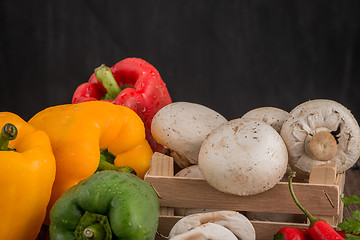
{"x": 192, "y": 171}
{"x": 243, "y": 157}
{"x": 207, "y": 231}
{"x": 237, "y": 223}
{"x": 183, "y": 126}
{"x": 319, "y": 132}
{"x": 273, "y": 116}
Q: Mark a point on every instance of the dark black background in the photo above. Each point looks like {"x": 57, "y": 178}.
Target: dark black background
{"x": 231, "y": 56}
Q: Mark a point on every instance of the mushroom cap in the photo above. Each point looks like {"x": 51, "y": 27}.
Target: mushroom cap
{"x": 243, "y": 157}
{"x": 237, "y": 223}
{"x": 183, "y": 126}
{"x": 312, "y": 118}
{"x": 273, "y": 116}
{"x": 207, "y": 231}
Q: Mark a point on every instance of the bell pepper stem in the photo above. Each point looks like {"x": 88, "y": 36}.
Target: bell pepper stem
{"x": 312, "y": 219}
{"x": 106, "y": 163}
{"x": 105, "y": 76}
{"x": 95, "y": 231}
{"x": 93, "y": 226}
{"x": 8, "y": 132}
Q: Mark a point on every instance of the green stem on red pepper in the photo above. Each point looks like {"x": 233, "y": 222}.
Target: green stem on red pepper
{"x": 105, "y": 76}
{"x": 107, "y": 163}
{"x": 8, "y": 132}
{"x": 318, "y": 229}
{"x": 146, "y": 95}
{"x": 312, "y": 219}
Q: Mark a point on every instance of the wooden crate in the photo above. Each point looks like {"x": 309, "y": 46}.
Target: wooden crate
{"x": 321, "y": 196}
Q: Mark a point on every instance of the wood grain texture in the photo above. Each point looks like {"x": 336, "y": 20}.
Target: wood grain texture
{"x": 352, "y": 187}
{"x": 197, "y": 193}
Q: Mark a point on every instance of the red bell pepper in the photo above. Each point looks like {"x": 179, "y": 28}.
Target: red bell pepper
{"x": 144, "y": 90}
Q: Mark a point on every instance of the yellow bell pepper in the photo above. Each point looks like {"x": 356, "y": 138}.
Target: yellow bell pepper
{"x": 27, "y": 175}
{"x": 80, "y": 132}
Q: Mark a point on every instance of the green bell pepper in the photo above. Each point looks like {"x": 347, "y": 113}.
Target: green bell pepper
{"x": 107, "y": 205}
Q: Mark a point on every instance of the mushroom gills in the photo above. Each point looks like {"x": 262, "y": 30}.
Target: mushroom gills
{"x": 318, "y": 132}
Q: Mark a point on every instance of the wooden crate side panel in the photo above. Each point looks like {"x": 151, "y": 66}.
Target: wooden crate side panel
{"x": 197, "y": 193}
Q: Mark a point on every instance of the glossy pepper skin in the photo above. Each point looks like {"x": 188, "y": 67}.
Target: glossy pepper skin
{"x": 145, "y": 91}
{"x": 318, "y": 229}
{"x": 124, "y": 206}
{"x": 27, "y": 175}
{"x": 79, "y": 132}
{"x": 291, "y": 233}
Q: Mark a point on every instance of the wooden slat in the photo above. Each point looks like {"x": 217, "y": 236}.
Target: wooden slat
{"x": 352, "y": 187}
{"x": 197, "y": 193}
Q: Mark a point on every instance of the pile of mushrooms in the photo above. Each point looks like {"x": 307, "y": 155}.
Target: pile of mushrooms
{"x": 241, "y": 156}
{"x": 219, "y": 225}
{"x": 251, "y": 154}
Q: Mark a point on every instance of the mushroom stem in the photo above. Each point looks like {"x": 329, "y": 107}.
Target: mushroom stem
{"x": 323, "y": 146}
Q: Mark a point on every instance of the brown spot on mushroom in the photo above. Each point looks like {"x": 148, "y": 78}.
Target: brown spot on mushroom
{"x": 235, "y": 129}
